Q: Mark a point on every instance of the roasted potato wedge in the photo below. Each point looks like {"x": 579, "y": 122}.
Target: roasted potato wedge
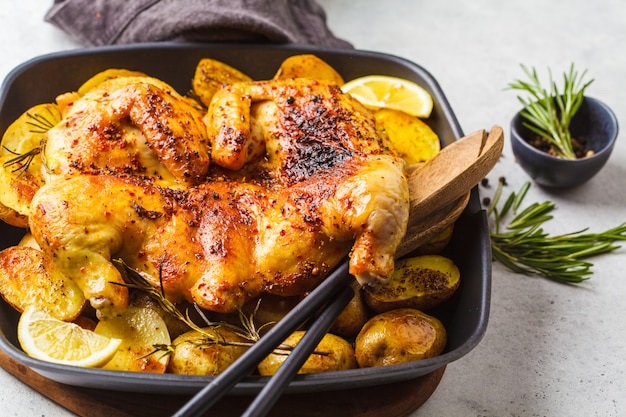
{"x": 141, "y": 329}
{"x": 16, "y": 193}
{"x": 28, "y": 131}
{"x": 407, "y": 136}
{"x": 421, "y": 282}
{"x": 12, "y": 217}
{"x": 196, "y": 353}
{"x": 66, "y": 100}
{"x": 210, "y": 75}
{"x": 333, "y": 353}
{"x": 352, "y": 318}
{"x": 29, "y": 240}
{"x": 27, "y": 278}
{"x": 175, "y": 326}
{"x": 21, "y": 166}
{"x": 308, "y": 66}
{"x": 106, "y": 75}
{"x": 399, "y": 336}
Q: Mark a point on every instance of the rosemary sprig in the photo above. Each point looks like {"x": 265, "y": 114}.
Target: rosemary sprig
{"x": 524, "y": 247}
{"x": 134, "y": 280}
{"x": 248, "y": 330}
{"x": 21, "y": 161}
{"x": 251, "y": 332}
{"x": 38, "y": 122}
{"x": 548, "y": 112}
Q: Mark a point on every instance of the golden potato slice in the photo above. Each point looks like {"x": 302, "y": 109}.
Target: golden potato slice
{"x": 141, "y": 329}
{"x": 21, "y": 165}
{"x": 333, "y": 353}
{"x": 27, "y": 278}
{"x": 399, "y": 336}
{"x": 175, "y": 326}
{"x": 27, "y": 131}
{"x": 352, "y": 318}
{"x": 195, "y": 353}
{"x": 67, "y": 99}
{"x": 308, "y": 66}
{"x": 421, "y": 282}
{"x": 29, "y": 240}
{"x": 16, "y": 192}
{"x": 12, "y": 217}
{"x": 407, "y": 136}
{"x": 106, "y": 75}
{"x": 210, "y": 75}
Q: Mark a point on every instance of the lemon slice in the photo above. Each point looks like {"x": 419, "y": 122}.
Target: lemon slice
{"x": 382, "y": 91}
{"x": 52, "y": 340}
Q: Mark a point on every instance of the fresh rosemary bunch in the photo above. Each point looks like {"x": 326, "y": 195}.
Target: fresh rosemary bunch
{"x": 134, "y": 280}
{"x": 524, "y": 247}
{"x": 248, "y": 330}
{"x": 548, "y": 112}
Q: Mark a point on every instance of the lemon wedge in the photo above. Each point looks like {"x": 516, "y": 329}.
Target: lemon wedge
{"x": 382, "y": 91}
{"x": 49, "y": 339}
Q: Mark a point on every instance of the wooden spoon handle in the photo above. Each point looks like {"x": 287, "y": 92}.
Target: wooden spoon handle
{"x": 420, "y": 233}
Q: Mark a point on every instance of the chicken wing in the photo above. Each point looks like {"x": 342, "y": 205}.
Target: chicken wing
{"x": 130, "y": 125}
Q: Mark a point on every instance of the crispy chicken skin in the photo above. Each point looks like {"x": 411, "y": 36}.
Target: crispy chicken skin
{"x": 299, "y": 179}
{"x": 130, "y": 125}
{"x": 303, "y": 123}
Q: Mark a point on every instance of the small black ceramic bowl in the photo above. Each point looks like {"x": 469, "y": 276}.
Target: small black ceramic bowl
{"x": 594, "y": 121}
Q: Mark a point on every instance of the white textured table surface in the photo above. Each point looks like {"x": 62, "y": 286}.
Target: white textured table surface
{"x": 550, "y": 349}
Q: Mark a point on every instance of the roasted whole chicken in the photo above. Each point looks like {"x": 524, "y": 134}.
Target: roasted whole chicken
{"x": 263, "y": 192}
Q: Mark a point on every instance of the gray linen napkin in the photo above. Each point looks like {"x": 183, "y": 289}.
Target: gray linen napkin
{"x": 106, "y": 22}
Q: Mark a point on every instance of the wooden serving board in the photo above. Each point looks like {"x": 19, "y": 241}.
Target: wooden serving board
{"x": 397, "y": 399}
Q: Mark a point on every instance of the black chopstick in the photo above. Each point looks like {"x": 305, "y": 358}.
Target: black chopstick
{"x": 270, "y": 393}
{"x": 222, "y": 384}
